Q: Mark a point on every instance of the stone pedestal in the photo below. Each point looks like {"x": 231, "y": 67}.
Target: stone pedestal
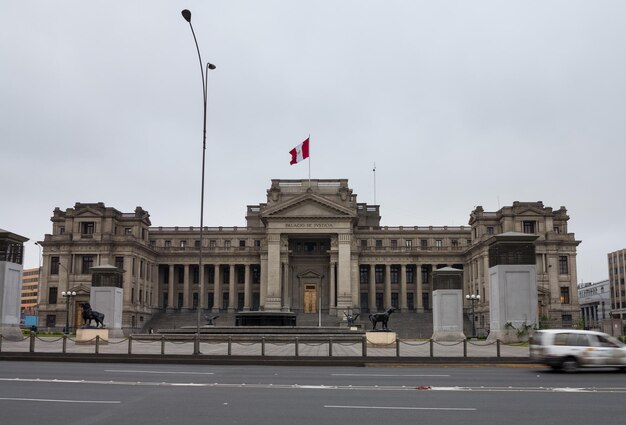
{"x": 10, "y": 284}
{"x": 513, "y": 302}
{"x": 448, "y": 304}
{"x": 381, "y": 338}
{"x": 88, "y": 335}
{"x": 448, "y": 315}
{"x": 108, "y": 301}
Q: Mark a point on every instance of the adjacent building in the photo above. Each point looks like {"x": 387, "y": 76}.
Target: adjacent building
{"x": 30, "y": 291}
{"x": 595, "y": 303}
{"x": 310, "y": 248}
{"x": 616, "y": 262}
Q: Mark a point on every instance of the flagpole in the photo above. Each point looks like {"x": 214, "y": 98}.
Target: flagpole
{"x": 309, "y": 139}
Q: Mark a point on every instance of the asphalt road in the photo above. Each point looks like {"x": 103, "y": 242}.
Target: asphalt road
{"x": 97, "y": 393}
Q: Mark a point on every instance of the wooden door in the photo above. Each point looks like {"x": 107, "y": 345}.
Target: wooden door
{"x": 310, "y": 299}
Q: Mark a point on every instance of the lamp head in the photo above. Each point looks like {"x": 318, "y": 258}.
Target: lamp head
{"x": 210, "y": 65}
{"x": 187, "y": 15}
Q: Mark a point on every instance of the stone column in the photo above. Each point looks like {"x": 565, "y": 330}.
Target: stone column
{"x": 286, "y": 299}
{"x": 485, "y": 280}
{"x": 372, "y": 287}
{"x": 232, "y": 289}
{"x": 332, "y": 302}
{"x": 170, "y": 288}
{"x": 419, "y": 285}
{"x": 217, "y": 288}
{"x": 403, "y": 306}
{"x": 186, "y": 287}
{"x": 247, "y": 287}
{"x": 387, "y": 291}
{"x": 355, "y": 284}
{"x": 263, "y": 286}
{"x": 273, "y": 298}
{"x": 344, "y": 290}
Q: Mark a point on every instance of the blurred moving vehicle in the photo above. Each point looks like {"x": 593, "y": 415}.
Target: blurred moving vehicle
{"x": 569, "y": 349}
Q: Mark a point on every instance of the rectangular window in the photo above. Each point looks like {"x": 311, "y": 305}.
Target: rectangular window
{"x": 394, "y": 300}
{"x": 241, "y": 274}
{"x": 379, "y": 301}
{"x": 395, "y": 274}
{"x": 242, "y": 244}
{"x": 119, "y": 263}
{"x": 528, "y": 226}
{"x": 53, "y": 293}
{"x": 563, "y": 266}
{"x": 363, "y": 243}
{"x": 128, "y": 230}
{"x": 438, "y": 243}
{"x": 256, "y": 274}
{"x": 87, "y": 264}
{"x": 379, "y": 272}
{"x": 195, "y": 273}
{"x": 557, "y": 229}
{"x": 196, "y": 244}
{"x": 212, "y": 244}
{"x": 564, "y": 295}
{"x": 454, "y": 243}
{"x": 226, "y": 244}
{"x": 183, "y": 244}
{"x": 168, "y": 244}
{"x": 424, "y": 243}
{"x": 490, "y": 230}
{"x": 394, "y": 244}
{"x": 61, "y": 230}
{"x": 257, "y": 244}
{"x": 408, "y": 243}
{"x": 410, "y": 301}
{"x": 54, "y": 265}
{"x": 88, "y": 227}
{"x": 51, "y": 320}
{"x": 410, "y": 275}
{"x": 141, "y": 265}
{"x": 364, "y": 273}
{"x": 379, "y": 244}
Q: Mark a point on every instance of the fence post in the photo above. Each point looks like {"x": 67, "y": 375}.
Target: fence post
{"x": 230, "y": 345}
{"x": 262, "y": 346}
{"x": 64, "y": 343}
{"x": 397, "y": 347}
{"x": 196, "y": 343}
{"x": 432, "y": 348}
{"x": 130, "y": 345}
{"x": 162, "y": 345}
{"x": 330, "y": 347}
{"x": 364, "y": 346}
{"x": 32, "y": 342}
{"x": 498, "y": 347}
{"x": 97, "y": 344}
{"x": 465, "y": 348}
{"x": 297, "y": 347}
{"x": 0, "y": 343}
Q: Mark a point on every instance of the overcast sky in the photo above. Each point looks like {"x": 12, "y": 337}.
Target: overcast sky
{"x": 459, "y": 104}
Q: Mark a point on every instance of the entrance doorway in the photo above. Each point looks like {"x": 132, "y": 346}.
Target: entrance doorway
{"x": 310, "y": 298}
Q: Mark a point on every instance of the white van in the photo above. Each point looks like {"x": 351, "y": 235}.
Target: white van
{"x": 569, "y": 349}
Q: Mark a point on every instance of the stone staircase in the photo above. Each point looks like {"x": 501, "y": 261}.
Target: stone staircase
{"x": 406, "y": 325}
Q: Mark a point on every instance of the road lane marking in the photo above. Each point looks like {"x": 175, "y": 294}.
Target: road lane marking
{"x": 157, "y": 372}
{"x": 50, "y": 400}
{"x": 324, "y": 387}
{"x": 389, "y": 375}
{"x": 462, "y": 409}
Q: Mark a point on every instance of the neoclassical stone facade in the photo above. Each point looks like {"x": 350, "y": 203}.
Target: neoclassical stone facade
{"x": 310, "y": 247}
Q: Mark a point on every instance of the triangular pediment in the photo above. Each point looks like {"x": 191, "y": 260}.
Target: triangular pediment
{"x": 88, "y": 212}
{"x": 308, "y": 206}
{"x": 529, "y": 211}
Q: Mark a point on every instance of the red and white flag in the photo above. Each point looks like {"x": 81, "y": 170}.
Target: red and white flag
{"x": 300, "y": 152}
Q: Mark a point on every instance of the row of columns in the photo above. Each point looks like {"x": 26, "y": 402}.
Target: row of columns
{"x": 217, "y": 287}
{"x": 417, "y": 276}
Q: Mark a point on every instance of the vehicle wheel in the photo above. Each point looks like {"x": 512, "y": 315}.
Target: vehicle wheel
{"x": 569, "y": 365}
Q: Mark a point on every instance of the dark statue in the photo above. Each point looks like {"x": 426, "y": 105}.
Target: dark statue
{"x": 89, "y": 315}
{"x": 351, "y": 318}
{"x": 383, "y": 318}
{"x": 210, "y": 320}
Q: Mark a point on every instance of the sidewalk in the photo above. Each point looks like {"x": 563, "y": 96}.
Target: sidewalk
{"x": 164, "y": 347}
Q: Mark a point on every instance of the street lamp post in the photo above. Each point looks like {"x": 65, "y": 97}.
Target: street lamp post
{"x": 204, "y": 72}
{"x": 68, "y": 296}
{"x": 473, "y": 299}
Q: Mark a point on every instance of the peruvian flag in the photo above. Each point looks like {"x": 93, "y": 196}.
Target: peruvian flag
{"x": 300, "y": 152}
